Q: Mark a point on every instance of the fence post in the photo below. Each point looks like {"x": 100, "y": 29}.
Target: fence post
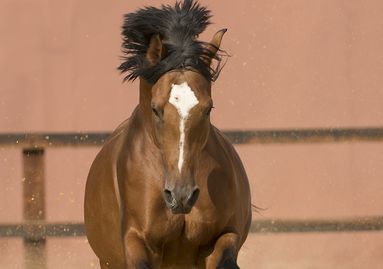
{"x": 34, "y": 205}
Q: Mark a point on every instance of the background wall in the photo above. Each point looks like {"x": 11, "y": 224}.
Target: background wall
{"x": 293, "y": 64}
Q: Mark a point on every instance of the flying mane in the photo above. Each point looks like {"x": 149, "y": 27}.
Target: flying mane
{"x": 178, "y": 28}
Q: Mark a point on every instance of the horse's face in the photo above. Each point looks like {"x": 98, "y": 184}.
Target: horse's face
{"x": 181, "y": 104}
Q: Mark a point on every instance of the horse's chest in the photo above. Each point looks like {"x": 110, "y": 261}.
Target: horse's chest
{"x": 183, "y": 244}
{"x": 196, "y": 230}
{"x": 199, "y": 232}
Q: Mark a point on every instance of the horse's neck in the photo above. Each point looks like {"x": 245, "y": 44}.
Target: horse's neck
{"x": 145, "y": 97}
{"x": 144, "y": 111}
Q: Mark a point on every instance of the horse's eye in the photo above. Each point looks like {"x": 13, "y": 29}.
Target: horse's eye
{"x": 209, "y": 110}
{"x": 156, "y": 112}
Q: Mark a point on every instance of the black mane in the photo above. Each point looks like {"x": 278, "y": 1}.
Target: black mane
{"x": 178, "y": 27}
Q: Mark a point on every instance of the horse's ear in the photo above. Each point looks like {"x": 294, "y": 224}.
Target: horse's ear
{"x": 156, "y": 50}
{"x": 215, "y": 43}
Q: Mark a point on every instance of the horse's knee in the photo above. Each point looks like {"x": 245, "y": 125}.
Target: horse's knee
{"x": 143, "y": 265}
{"x": 228, "y": 263}
{"x": 224, "y": 253}
{"x": 136, "y": 253}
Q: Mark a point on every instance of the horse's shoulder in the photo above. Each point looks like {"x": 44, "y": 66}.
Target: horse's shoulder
{"x": 119, "y": 132}
{"x": 116, "y": 140}
{"x": 223, "y": 144}
{"x": 233, "y": 165}
{"x": 222, "y": 138}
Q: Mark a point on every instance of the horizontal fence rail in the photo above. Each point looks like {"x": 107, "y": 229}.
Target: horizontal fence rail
{"x": 36, "y": 140}
{"x": 308, "y": 226}
{"x": 38, "y": 230}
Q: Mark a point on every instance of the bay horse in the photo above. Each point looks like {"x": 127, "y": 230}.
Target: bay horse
{"x": 168, "y": 190}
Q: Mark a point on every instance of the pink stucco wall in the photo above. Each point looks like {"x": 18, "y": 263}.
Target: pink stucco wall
{"x": 293, "y": 64}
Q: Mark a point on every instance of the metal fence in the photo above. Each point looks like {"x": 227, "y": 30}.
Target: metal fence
{"x": 34, "y": 230}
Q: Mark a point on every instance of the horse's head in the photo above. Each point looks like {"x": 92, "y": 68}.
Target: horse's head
{"x": 181, "y": 104}
{"x": 162, "y": 49}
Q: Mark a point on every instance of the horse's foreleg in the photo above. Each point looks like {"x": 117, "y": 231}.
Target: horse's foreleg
{"x": 136, "y": 252}
{"x": 224, "y": 255}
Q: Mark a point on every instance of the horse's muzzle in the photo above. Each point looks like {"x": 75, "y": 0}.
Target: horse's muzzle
{"x": 181, "y": 200}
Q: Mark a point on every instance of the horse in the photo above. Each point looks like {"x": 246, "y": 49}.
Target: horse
{"x": 167, "y": 189}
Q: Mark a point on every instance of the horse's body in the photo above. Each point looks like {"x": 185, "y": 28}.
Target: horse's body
{"x": 131, "y": 159}
{"x": 204, "y": 216}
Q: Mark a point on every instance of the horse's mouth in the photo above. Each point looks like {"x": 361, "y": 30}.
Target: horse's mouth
{"x": 181, "y": 210}
{"x": 178, "y": 209}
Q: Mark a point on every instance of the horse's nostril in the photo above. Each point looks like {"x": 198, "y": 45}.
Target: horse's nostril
{"x": 193, "y": 197}
{"x": 169, "y": 199}
{"x": 181, "y": 202}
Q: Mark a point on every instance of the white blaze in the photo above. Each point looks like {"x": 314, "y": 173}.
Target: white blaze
{"x": 184, "y": 99}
